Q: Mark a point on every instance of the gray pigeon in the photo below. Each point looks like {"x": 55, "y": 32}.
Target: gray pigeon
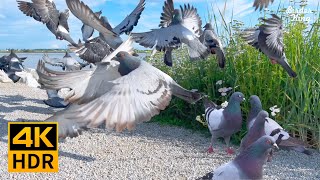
{"x": 248, "y": 164}
{"x": 46, "y": 12}
{"x": 177, "y": 26}
{"x": 210, "y": 39}
{"x": 256, "y": 131}
{"x": 268, "y": 38}
{"x": 54, "y": 100}
{"x": 67, "y": 63}
{"x": 120, "y": 93}
{"x": 109, "y": 34}
{"x": 11, "y": 64}
{"x": 92, "y": 51}
{"x": 274, "y": 129}
{"x": 260, "y": 4}
{"x": 224, "y": 122}
{"x": 87, "y": 31}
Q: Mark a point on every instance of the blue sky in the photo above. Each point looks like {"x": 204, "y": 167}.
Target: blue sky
{"x": 19, "y": 31}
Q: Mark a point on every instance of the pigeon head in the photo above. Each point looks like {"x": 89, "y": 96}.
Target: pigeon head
{"x": 256, "y": 107}
{"x": 98, "y": 13}
{"x": 121, "y": 55}
{"x": 177, "y": 17}
{"x": 261, "y": 119}
{"x": 127, "y": 62}
{"x": 237, "y": 97}
{"x": 208, "y": 26}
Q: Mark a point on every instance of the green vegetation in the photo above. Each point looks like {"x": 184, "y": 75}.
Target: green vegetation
{"x": 252, "y": 73}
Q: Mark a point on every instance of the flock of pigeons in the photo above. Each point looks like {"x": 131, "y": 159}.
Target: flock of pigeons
{"x": 121, "y": 90}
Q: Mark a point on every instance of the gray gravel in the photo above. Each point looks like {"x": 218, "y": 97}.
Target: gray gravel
{"x": 151, "y": 151}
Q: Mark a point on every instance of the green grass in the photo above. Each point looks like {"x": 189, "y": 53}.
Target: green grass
{"x": 251, "y": 72}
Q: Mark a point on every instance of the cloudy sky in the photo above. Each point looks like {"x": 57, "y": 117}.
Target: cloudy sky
{"x": 21, "y": 32}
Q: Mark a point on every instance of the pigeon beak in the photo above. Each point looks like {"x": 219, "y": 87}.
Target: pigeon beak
{"x": 275, "y": 145}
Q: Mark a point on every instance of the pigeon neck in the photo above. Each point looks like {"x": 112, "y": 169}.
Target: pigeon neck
{"x": 251, "y": 162}
{"x": 254, "y": 111}
{"x": 233, "y": 109}
{"x": 128, "y": 64}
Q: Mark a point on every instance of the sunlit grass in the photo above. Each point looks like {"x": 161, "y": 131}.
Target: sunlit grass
{"x": 251, "y": 72}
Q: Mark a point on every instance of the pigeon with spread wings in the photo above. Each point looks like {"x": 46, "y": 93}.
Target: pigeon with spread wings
{"x": 260, "y": 4}
{"x": 120, "y": 93}
{"x": 177, "y": 26}
{"x": 268, "y": 38}
{"x": 46, "y": 12}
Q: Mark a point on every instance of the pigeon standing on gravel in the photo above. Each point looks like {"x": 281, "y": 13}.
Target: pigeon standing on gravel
{"x": 273, "y": 128}
{"x": 256, "y": 131}
{"x": 224, "y": 122}
{"x": 248, "y": 164}
{"x": 107, "y": 33}
{"x": 177, "y": 26}
{"x": 260, "y": 4}
{"x": 120, "y": 93}
{"x": 210, "y": 39}
{"x": 268, "y": 38}
{"x": 54, "y": 100}
{"x": 87, "y": 31}
{"x": 45, "y": 11}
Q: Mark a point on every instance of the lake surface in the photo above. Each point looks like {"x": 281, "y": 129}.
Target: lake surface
{"x": 33, "y": 58}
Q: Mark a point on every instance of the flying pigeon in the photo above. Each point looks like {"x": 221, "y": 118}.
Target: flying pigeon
{"x": 67, "y": 63}
{"x": 87, "y": 31}
{"x": 268, "y": 38}
{"x": 248, "y": 164}
{"x": 224, "y": 122}
{"x": 256, "y": 131}
{"x": 177, "y": 26}
{"x": 45, "y": 11}
{"x": 210, "y": 39}
{"x": 109, "y": 34}
{"x": 120, "y": 93}
{"x": 274, "y": 129}
{"x": 260, "y": 4}
{"x": 92, "y": 51}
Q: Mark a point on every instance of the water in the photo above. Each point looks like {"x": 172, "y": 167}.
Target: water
{"x": 33, "y": 58}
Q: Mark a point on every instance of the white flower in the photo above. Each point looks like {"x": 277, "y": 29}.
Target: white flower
{"x": 223, "y": 94}
{"x": 219, "y": 82}
{"x": 224, "y": 90}
{"x": 274, "y": 110}
{"x": 224, "y": 104}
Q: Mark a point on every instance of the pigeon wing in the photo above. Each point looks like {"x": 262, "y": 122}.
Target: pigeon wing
{"x": 260, "y": 4}
{"x": 131, "y": 20}
{"x": 167, "y": 14}
{"x": 191, "y": 19}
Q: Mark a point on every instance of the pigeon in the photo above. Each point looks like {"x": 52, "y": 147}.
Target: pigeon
{"x": 224, "y": 122}
{"x": 268, "y": 38}
{"x": 120, "y": 92}
{"x": 45, "y": 11}
{"x": 4, "y": 77}
{"x": 54, "y": 100}
{"x": 248, "y": 164}
{"x": 260, "y": 4}
{"x": 256, "y": 131}
{"x": 212, "y": 41}
{"x": 14, "y": 65}
{"x": 93, "y": 50}
{"x": 5, "y": 60}
{"x": 87, "y": 31}
{"x": 67, "y": 63}
{"x": 177, "y": 26}
{"x": 107, "y": 33}
{"x": 273, "y": 128}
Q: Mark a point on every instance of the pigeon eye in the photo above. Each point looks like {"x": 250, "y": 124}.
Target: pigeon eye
{"x": 268, "y": 142}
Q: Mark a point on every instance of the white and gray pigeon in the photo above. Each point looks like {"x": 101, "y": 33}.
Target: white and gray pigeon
{"x": 177, "y": 26}
{"x": 224, "y": 122}
{"x": 45, "y": 11}
{"x": 284, "y": 140}
{"x": 87, "y": 31}
{"x": 268, "y": 38}
{"x": 119, "y": 93}
{"x": 109, "y": 34}
{"x": 210, "y": 39}
{"x": 260, "y": 4}
{"x": 68, "y": 63}
{"x": 247, "y": 165}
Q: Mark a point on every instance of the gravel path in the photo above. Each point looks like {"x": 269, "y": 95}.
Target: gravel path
{"x": 151, "y": 151}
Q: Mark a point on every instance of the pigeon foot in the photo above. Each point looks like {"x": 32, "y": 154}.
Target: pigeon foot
{"x": 210, "y": 150}
{"x": 273, "y": 61}
{"x": 213, "y": 51}
{"x": 229, "y": 151}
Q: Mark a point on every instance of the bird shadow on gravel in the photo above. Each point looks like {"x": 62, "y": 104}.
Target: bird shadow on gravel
{"x": 17, "y": 104}
{"x": 76, "y": 156}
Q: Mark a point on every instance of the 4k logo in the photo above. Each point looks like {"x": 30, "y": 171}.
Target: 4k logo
{"x": 33, "y": 147}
